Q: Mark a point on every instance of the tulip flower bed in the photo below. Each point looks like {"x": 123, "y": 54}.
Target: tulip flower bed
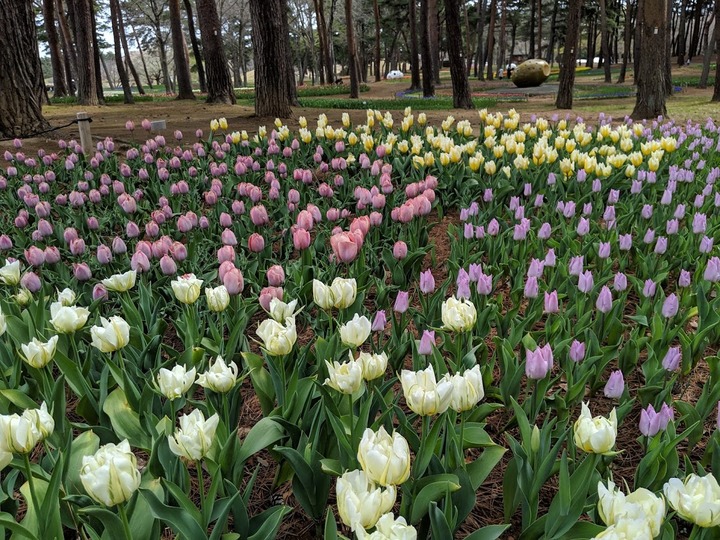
{"x": 469, "y": 331}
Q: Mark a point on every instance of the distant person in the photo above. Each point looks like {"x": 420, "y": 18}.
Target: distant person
{"x": 511, "y": 67}
{"x": 501, "y": 73}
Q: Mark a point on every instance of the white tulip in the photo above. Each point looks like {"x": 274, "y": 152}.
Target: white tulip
{"x": 186, "y": 288}
{"x": 385, "y": 458}
{"x": 39, "y": 354}
{"x": 10, "y": 273}
{"x": 696, "y": 499}
{"x": 120, "y": 282}
{"x": 219, "y": 377}
{"x": 113, "y": 335}
{"x": 174, "y": 383}
{"x": 346, "y": 378}
{"x": 110, "y": 476}
{"x": 67, "y": 319}
{"x": 423, "y": 394}
{"x": 356, "y": 331}
{"x": 360, "y": 503}
{"x": 195, "y": 436}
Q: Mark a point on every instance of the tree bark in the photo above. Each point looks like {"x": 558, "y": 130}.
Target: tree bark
{"x": 86, "y": 82}
{"x": 290, "y": 86}
{"x": 68, "y": 48}
{"x": 56, "y": 59}
{"x": 531, "y": 50}
{"x": 491, "y": 40}
{"x": 480, "y": 29}
{"x": 460, "y": 85}
{"x": 21, "y": 94}
{"x": 707, "y": 55}
{"x": 352, "y": 51}
{"x": 220, "y": 88}
{"x": 604, "y": 45}
{"x": 668, "y": 51}
{"x": 716, "y": 88}
{"x": 98, "y": 58}
{"x": 695, "y": 37}
{"x": 126, "y": 49}
{"x": 182, "y": 67}
{"x": 428, "y": 80}
{"x": 650, "y": 100}
{"x": 539, "y": 34}
{"x": 639, "y": 14}
{"x": 502, "y": 36}
{"x": 626, "y": 39}
{"x": 553, "y": 28}
{"x": 414, "y": 52}
{"x": 434, "y": 33}
{"x": 195, "y": 46}
{"x": 567, "y": 70}
{"x": 270, "y": 55}
{"x": 115, "y": 23}
{"x": 681, "y": 38}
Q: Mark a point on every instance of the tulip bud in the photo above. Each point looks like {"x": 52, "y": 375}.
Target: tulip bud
{"x": 672, "y": 359}
{"x": 278, "y": 339}
{"x": 467, "y": 389}
{"x": 595, "y": 435}
{"x": 423, "y": 394}
{"x": 186, "y": 288}
{"x": 360, "y": 503}
{"x": 174, "y": 383}
{"x": 346, "y": 378}
{"x": 379, "y": 321}
{"x": 194, "y": 438}
{"x": 615, "y": 386}
{"x": 38, "y": 354}
{"x": 402, "y": 302}
{"x": 384, "y": 458}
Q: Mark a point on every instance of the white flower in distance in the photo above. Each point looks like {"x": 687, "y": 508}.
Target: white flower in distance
{"x": 37, "y": 353}
{"x": 10, "y": 273}
{"x": 467, "y": 389}
{"x": 110, "y": 476}
{"x": 120, "y": 282}
{"x": 278, "y": 339}
{"x": 360, "y": 502}
{"x": 595, "y": 435}
{"x": 67, "y": 319}
{"x": 20, "y": 433}
{"x": 219, "y": 377}
{"x": 195, "y": 436}
{"x": 627, "y": 529}
{"x": 186, "y": 288}
{"x": 23, "y": 297}
{"x": 614, "y": 506}
{"x": 344, "y": 292}
{"x": 389, "y": 528}
{"x": 66, "y": 297}
{"x": 373, "y": 365}
{"x": 322, "y": 295}
{"x": 346, "y": 378}
{"x": 354, "y": 332}
{"x": 458, "y": 315}
{"x": 423, "y": 394}
{"x": 385, "y": 458}
{"x": 174, "y": 383}
{"x": 218, "y": 298}
{"x": 697, "y": 499}
{"x": 113, "y": 335}
{"x": 280, "y": 311}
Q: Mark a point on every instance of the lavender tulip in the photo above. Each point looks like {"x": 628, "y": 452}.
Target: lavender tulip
{"x": 575, "y": 266}
{"x": 577, "y": 351}
{"x": 625, "y": 241}
{"x": 670, "y": 306}
{"x": 379, "y": 321}
{"x": 620, "y": 282}
{"x": 538, "y": 363}
{"x": 672, "y": 359}
{"x": 402, "y": 302}
{"x": 426, "y": 342}
{"x": 531, "y": 288}
{"x": 550, "y": 258}
{"x": 427, "y": 282}
{"x": 651, "y": 422}
{"x": 551, "y": 302}
{"x": 604, "y": 301}
{"x": 649, "y": 287}
{"x": 685, "y": 279}
{"x": 712, "y": 270}
{"x": 706, "y": 244}
{"x": 604, "y": 250}
{"x": 615, "y": 386}
{"x": 484, "y": 286}
{"x": 586, "y": 282}
{"x": 463, "y": 285}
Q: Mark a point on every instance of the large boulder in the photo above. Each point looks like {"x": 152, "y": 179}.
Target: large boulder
{"x": 531, "y": 73}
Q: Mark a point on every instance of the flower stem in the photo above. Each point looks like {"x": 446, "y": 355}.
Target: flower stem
{"x": 31, "y": 486}
{"x": 125, "y": 522}
{"x": 201, "y": 484}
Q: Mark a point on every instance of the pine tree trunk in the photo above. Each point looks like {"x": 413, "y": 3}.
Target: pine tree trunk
{"x": 639, "y": 14}
{"x": 539, "y": 34}
{"x": 56, "y": 59}
{"x": 20, "y": 95}
{"x": 681, "y": 47}
{"x": 553, "y": 28}
{"x": 220, "y": 88}
{"x": 99, "y": 60}
{"x": 164, "y": 68}
{"x": 196, "y": 47}
{"x": 414, "y": 53}
{"x": 491, "y": 40}
{"x": 480, "y": 29}
{"x": 352, "y": 51}
{"x": 668, "y": 51}
{"x": 709, "y": 49}
{"x": 142, "y": 56}
{"x": 126, "y": 49}
{"x": 531, "y": 51}
{"x": 425, "y": 52}
{"x": 604, "y": 37}
{"x": 81, "y": 18}
{"x": 434, "y": 31}
{"x": 115, "y": 23}
{"x": 68, "y": 48}
{"x": 502, "y": 36}
{"x": 627, "y": 36}
{"x": 716, "y": 88}
{"x": 270, "y": 59}
{"x": 695, "y": 37}
{"x": 460, "y": 85}
{"x": 650, "y": 101}
{"x": 567, "y": 70}
{"x": 290, "y": 86}
{"x": 182, "y": 68}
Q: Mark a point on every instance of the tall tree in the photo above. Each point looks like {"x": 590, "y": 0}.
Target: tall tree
{"x": 428, "y": 80}
{"x": 567, "y": 70}
{"x": 627, "y": 37}
{"x": 195, "y": 46}
{"x": 270, "y": 58}
{"x": 352, "y": 50}
{"x": 97, "y": 56}
{"x": 376, "y": 61}
{"x": 460, "y": 85}
{"x": 681, "y": 39}
{"x": 604, "y": 37}
{"x": 124, "y": 80}
{"x": 290, "y": 86}
{"x": 502, "y": 41}
{"x": 182, "y": 66}
{"x": 220, "y": 87}
{"x": 480, "y": 29}
{"x": 414, "y": 53}
{"x": 56, "y": 59}
{"x": 21, "y": 94}
{"x": 490, "y": 40}
{"x": 81, "y": 18}
{"x": 126, "y": 49}
{"x": 434, "y": 29}
{"x": 716, "y": 40}
{"x": 651, "y": 91}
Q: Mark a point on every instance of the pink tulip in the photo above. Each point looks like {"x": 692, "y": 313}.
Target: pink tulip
{"x": 345, "y": 247}
{"x": 167, "y": 265}
{"x": 267, "y": 294}
{"x": 233, "y": 281}
{"x": 77, "y": 246}
{"x": 670, "y": 306}
{"x": 5, "y": 242}
{"x": 427, "y": 282}
{"x": 227, "y": 237}
{"x": 531, "y": 288}
{"x": 305, "y": 220}
{"x": 35, "y": 256}
{"x": 604, "y": 301}
{"x": 99, "y": 292}
{"x": 301, "y": 239}
{"x": 132, "y": 230}
{"x": 276, "y": 276}
{"x": 31, "y": 282}
{"x": 427, "y": 341}
{"x": 140, "y": 262}
{"x": 82, "y": 271}
{"x": 551, "y": 302}
{"x": 400, "y": 250}
{"x": 103, "y": 254}
{"x": 615, "y": 386}
{"x": 256, "y": 243}
{"x": 538, "y": 363}
{"x": 402, "y": 302}
{"x": 259, "y": 215}
{"x": 52, "y": 255}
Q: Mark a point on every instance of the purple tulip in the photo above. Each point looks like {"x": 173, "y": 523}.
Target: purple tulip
{"x": 672, "y": 226}
{"x": 82, "y": 271}
{"x": 538, "y": 363}
{"x": 531, "y": 288}
{"x": 52, "y": 255}
{"x": 5, "y": 242}
{"x": 103, "y": 254}
{"x": 379, "y": 321}
{"x": 586, "y": 282}
{"x": 402, "y": 302}
{"x": 31, "y": 282}
{"x": 551, "y": 302}
{"x": 651, "y": 422}
{"x": 647, "y": 211}
{"x": 583, "y": 227}
{"x": 706, "y": 244}
{"x": 620, "y": 282}
{"x": 550, "y": 258}
{"x": 712, "y": 270}
{"x": 35, "y": 256}
{"x": 672, "y": 359}
{"x": 545, "y": 231}
{"x": 469, "y": 231}
{"x": 615, "y": 386}
{"x": 463, "y": 284}
{"x": 575, "y": 266}
{"x": 427, "y": 282}
{"x": 493, "y": 227}
{"x": 685, "y": 279}
{"x": 474, "y": 272}
{"x": 140, "y": 262}
{"x": 167, "y": 265}
{"x": 604, "y": 301}
{"x": 625, "y": 241}
{"x": 484, "y": 286}
{"x": 661, "y": 245}
{"x": 649, "y": 288}
{"x": 670, "y": 306}
{"x": 536, "y": 268}
{"x": 679, "y": 211}
{"x": 649, "y": 237}
{"x": 99, "y": 292}
{"x": 577, "y": 351}
{"x": 426, "y": 342}
{"x": 699, "y": 223}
